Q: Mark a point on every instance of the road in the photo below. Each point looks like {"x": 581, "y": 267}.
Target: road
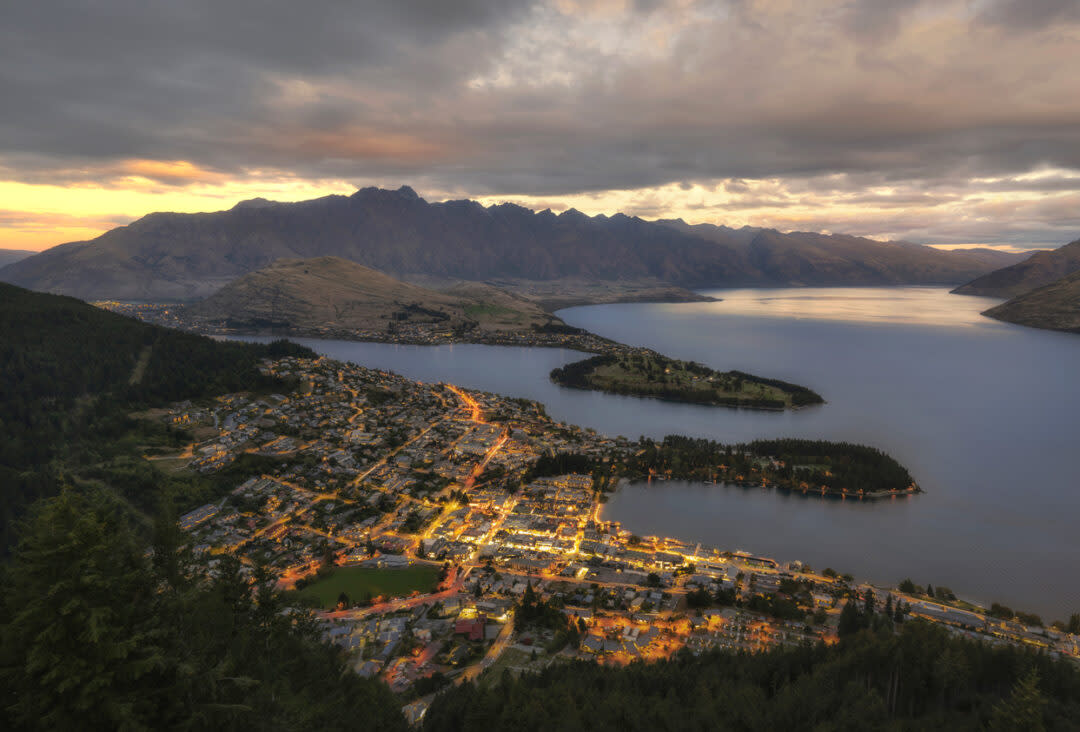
{"x": 502, "y": 641}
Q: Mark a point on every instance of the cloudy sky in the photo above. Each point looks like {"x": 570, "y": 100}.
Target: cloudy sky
{"x": 947, "y": 122}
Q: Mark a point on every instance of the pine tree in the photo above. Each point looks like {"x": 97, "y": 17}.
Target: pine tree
{"x": 81, "y": 638}
{"x": 1023, "y": 710}
{"x": 850, "y": 622}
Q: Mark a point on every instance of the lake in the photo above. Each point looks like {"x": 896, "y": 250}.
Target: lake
{"x": 985, "y": 415}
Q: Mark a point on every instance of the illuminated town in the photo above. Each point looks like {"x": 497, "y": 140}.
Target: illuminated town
{"x": 503, "y": 562}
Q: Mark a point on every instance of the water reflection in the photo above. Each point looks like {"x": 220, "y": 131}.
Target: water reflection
{"x": 986, "y": 416}
{"x": 908, "y": 305}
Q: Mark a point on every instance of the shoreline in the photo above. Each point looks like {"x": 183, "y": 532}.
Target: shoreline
{"x": 565, "y": 337}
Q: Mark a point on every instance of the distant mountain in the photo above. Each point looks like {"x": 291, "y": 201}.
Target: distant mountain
{"x": 170, "y": 256}
{"x": 1036, "y": 271}
{"x": 1054, "y": 307}
{"x": 806, "y": 258}
{"x": 335, "y": 292}
{"x": 9, "y": 256}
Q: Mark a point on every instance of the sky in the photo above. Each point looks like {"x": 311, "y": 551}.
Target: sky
{"x": 945, "y": 122}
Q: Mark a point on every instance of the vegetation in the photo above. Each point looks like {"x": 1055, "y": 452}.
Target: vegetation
{"x": 1055, "y": 306}
{"x": 95, "y": 635}
{"x": 793, "y": 464}
{"x": 558, "y": 328}
{"x": 653, "y": 375}
{"x": 919, "y": 679}
{"x": 98, "y": 633}
{"x": 362, "y": 584}
{"x": 481, "y": 309}
{"x": 313, "y": 294}
{"x": 839, "y": 467}
{"x": 74, "y": 374}
{"x": 561, "y": 464}
{"x": 536, "y": 613}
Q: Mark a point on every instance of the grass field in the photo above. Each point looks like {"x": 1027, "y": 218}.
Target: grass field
{"x": 510, "y": 659}
{"x": 491, "y": 314}
{"x": 361, "y": 582}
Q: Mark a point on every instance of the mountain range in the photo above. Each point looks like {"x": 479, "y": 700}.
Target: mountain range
{"x": 1043, "y": 290}
{"x": 177, "y": 257}
{"x": 807, "y": 258}
{"x": 9, "y": 256}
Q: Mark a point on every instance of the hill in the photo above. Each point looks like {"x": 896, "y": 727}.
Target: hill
{"x": 9, "y": 256}
{"x": 1054, "y": 307}
{"x": 867, "y": 681}
{"x": 807, "y": 258}
{"x": 1038, "y": 270}
{"x": 72, "y": 375}
{"x": 171, "y": 256}
{"x": 335, "y": 292}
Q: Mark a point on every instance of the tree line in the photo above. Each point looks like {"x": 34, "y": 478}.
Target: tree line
{"x": 790, "y": 463}
{"x": 921, "y": 678}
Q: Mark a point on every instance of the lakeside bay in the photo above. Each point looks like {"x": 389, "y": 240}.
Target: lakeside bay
{"x": 982, "y": 413}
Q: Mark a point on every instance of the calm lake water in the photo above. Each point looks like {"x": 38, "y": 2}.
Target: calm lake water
{"x": 985, "y": 415}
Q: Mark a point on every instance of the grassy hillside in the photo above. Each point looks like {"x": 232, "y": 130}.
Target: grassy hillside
{"x": 338, "y": 293}
{"x": 1054, "y": 307}
{"x": 1039, "y": 270}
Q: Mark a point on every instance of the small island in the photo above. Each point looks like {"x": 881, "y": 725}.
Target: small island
{"x": 650, "y": 374}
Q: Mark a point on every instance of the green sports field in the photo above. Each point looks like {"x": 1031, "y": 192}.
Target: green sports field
{"x": 362, "y": 582}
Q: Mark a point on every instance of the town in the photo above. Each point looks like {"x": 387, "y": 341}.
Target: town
{"x": 443, "y": 535}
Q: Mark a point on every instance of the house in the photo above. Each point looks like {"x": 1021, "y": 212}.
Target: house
{"x": 471, "y": 628}
{"x": 593, "y": 644}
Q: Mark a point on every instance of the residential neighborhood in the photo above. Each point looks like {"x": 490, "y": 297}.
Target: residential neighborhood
{"x": 361, "y": 473}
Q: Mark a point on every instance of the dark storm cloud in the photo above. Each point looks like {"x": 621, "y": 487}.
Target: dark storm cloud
{"x": 188, "y": 78}
{"x": 875, "y": 19}
{"x": 546, "y": 98}
{"x": 1026, "y": 14}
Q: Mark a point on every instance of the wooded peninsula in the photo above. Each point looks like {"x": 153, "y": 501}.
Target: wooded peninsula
{"x": 649, "y": 374}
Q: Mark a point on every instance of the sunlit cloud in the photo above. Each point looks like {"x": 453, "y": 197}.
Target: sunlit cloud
{"x": 941, "y": 121}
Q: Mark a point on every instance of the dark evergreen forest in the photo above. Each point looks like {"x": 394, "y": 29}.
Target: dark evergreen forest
{"x": 72, "y": 375}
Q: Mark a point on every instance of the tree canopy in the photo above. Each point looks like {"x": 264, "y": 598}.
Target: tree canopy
{"x": 919, "y": 679}
{"x": 94, "y": 634}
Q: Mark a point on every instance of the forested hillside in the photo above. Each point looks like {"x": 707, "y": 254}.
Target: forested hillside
{"x": 72, "y": 374}
{"x": 95, "y": 632}
{"x": 94, "y": 635}
{"x": 919, "y": 679}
